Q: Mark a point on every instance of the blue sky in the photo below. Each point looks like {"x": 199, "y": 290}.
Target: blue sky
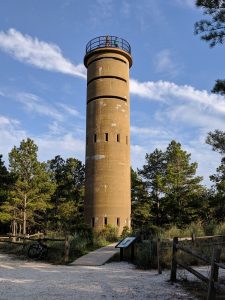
{"x": 43, "y": 87}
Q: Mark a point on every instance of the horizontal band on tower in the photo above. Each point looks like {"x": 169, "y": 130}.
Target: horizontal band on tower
{"x": 105, "y": 97}
{"x": 106, "y": 57}
{"x": 106, "y": 76}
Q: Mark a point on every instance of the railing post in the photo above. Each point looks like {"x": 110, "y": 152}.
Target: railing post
{"x": 213, "y": 274}
{"x": 193, "y": 238}
{"x": 173, "y": 275}
{"x": 158, "y": 256}
{"x": 66, "y": 249}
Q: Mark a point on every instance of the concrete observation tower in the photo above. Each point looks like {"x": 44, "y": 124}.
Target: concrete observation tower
{"x": 107, "y": 189}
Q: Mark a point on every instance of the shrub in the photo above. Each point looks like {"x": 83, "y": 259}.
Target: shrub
{"x": 220, "y": 229}
{"x": 126, "y": 232}
{"x": 145, "y": 254}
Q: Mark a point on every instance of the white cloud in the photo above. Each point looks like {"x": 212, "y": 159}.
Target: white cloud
{"x": 10, "y": 135}
{"x": 166, "y": 91}
{"x": 38, "y": 53}
{"x": 49, "y": 145}
{"x": 55, "y": 128}
{"x": 147, "y": 131}
{"x": 34, "y": 104}
{"x": 191, "y": 115}
{"x": 66, "y": 145}
{"x": 137, "y": 156}
{"x": 164, "y": 63}
{"x": 70, "y": 110}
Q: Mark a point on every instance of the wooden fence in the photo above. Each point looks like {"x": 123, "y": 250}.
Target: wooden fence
{"x": 21, "y": 240}
{"x": 214, "y": 262}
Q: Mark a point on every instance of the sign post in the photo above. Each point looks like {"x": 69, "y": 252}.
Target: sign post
{"x": 126, "y": 243}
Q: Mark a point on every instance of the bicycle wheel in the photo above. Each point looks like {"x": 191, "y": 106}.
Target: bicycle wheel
{"x": 34, "y": 251}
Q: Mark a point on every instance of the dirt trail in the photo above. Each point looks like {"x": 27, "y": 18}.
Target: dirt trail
{"x": 32, "y": 280}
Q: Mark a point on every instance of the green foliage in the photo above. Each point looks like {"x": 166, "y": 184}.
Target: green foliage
{"x": 67, "y": 200}
{"x": 141, "y": 206}
{"x": 212, "y": 29}
{"x": 217, "y": 200}
{"x": 109, "y": 233}
{"x": 153, "y": 173}
{"x": 6, "y": 182}
{"x": 181, "y": 187}
{"x": 220, "y": 229}
{"x": 219, "y": 87}
{"x": 175, "y": 194}
{"x": 126, "y": 232}
{"x": 30, "y": 190}
{"x": 216, "y": 139}
{"x": 145, "y": 255}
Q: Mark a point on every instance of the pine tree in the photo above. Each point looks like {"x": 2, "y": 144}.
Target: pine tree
{"x": 6, "y": 182}
{"x": 212, "y": 30}
{"x": 182, "y": 188}
{"x": 68, "y": 198}
{"x": 31, "y": 193}
{"x": 140, "y": 202}
{"x": 217, "y": 140}
{"x": 153, "y": 173}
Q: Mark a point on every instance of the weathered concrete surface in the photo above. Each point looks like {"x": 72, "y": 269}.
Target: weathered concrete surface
{"x": 98, "y": 257}
{"x": 107, "y": 166}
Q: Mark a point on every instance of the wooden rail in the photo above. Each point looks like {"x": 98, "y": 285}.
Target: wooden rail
{"x": 212, "y": 281}
{"x": 7, "y": 239}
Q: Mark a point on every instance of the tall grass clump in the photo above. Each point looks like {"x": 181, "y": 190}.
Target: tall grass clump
{"x": 220, "y": 229}
{"x": 107, "y": 235}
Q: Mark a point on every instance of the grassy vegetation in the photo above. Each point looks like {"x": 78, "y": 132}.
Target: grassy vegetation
{"x": 84, "y": 241}
{"x": 146, "y": 251}
{"x": 81, "y": 242}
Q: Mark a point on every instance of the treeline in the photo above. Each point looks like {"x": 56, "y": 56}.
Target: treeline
{"x": 38, "y": 196}
{"x": 167, "y": 192}
{"x": 49, "y": 196}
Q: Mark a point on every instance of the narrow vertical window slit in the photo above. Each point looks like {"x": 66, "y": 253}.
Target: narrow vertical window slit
{"x": 106, "y": 137}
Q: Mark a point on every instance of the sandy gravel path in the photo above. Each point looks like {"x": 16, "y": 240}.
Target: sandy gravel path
{"x": 32, "y": 280}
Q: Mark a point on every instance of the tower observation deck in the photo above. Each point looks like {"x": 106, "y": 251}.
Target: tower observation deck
{"x": 107, "y": 188}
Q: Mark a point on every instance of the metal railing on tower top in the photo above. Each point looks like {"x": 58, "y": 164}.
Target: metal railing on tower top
{"x": 108, "y": 41}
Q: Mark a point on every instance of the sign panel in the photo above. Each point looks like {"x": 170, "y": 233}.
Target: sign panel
{"x": 125, "y": 243}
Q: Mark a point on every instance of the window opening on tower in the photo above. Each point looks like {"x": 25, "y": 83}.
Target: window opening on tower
{"x": 118, "y": 221}
{"x": 106, "y": 137}
{"x": 105, "y": 221}
{"x": 118, "y": 137}
{"x": 95, "y": 138}
{"x": 126, "y": 139}
{"x": 93, "y": 222}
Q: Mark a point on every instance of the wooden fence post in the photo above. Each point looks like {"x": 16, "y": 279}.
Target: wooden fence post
{"x": 213, "y": 274}
{"x": 193, "y": 238}
{"x": 67, "y": 249}
{"x": 158, "y": 256}
{"x": 173, "y": 275}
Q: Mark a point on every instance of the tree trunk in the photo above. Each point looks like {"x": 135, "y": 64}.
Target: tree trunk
{"x": 25, "y": 215}
{"x": 14, "y": 227}
{"x": 13, "y": 230}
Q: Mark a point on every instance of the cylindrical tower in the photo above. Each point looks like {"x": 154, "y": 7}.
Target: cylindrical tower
{"x": 107, "y": 188}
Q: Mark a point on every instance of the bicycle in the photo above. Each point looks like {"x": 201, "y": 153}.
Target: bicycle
{"x": 38, "y": 250}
